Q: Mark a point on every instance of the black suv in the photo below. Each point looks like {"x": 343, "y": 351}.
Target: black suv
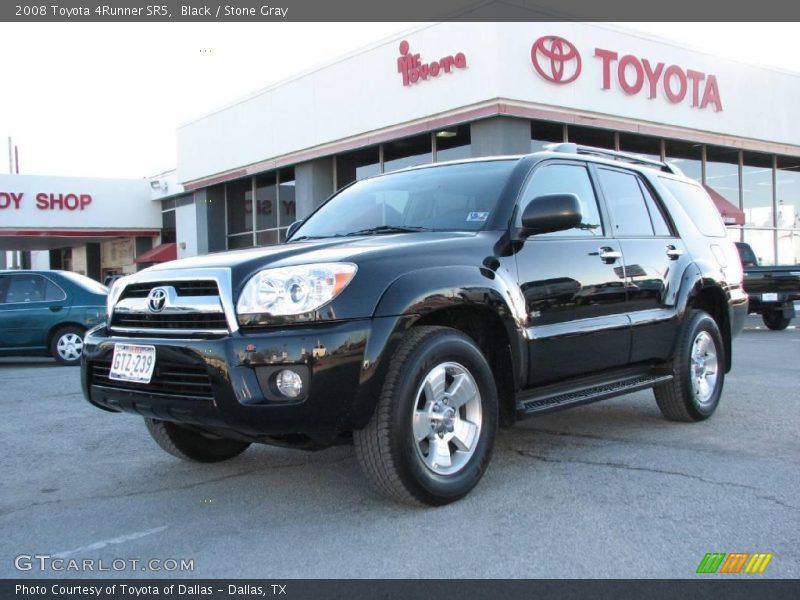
{"x": 414, "y": 312}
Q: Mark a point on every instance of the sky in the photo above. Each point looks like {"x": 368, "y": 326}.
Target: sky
{"x": 105, "y": 99}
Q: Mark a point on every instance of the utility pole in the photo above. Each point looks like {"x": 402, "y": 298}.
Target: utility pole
{"x": 16, "y": 160}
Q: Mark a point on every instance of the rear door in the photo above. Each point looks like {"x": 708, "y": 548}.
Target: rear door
{"x": 573, "y": 284}
{"x": 31, "y": 307}
{"x": 654, "y": 260}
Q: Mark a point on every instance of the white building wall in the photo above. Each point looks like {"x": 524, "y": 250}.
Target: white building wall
{"x": 364, "y": 92}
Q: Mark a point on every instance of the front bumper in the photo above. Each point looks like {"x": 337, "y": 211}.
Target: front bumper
{"x": 223, "y": 383}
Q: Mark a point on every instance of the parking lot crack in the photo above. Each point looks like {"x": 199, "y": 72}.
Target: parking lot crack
{"x": 616, "y": 465}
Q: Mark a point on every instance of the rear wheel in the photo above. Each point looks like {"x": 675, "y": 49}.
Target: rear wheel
{"x": 699, "y": 370}
{"x": 67, "y": 345}
{"x": 775, "y": 320}
{"x": 430, "y": 438}
{"x": 192, "y": 445}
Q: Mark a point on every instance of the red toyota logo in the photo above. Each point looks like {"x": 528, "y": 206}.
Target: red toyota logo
{"x": 554, "y": 58}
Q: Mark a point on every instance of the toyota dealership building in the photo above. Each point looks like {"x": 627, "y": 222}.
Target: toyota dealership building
{"x": 454, "y": 90}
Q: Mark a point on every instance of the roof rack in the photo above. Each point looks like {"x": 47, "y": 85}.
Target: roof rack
{"x": 570, "y": 148}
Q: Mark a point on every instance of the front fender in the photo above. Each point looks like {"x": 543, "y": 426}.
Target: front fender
{"x": 490, "y": 287}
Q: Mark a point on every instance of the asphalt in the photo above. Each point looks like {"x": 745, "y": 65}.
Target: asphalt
{"x": 606, "y": 490}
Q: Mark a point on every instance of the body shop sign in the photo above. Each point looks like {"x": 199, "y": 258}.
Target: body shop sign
{"x": 45, "y": 201}
{"x": 558, "y": 61}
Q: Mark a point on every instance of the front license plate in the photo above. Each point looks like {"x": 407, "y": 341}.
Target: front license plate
{"x": 133, "y": 363}
{"x": 769, "y": 297}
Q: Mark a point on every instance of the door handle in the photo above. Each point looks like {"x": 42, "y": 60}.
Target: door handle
{"x": 673, "y": 252}
{"x": 608, "y": 254}
{"x": 56, "y": 308}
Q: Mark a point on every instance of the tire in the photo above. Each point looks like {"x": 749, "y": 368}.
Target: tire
{"x": 192, "y": 445}
{"x": 775, "y": 320}
{"x": 422, "y": 445}
{"x": 699, "y": 370}
{"x": 66, "y": 346}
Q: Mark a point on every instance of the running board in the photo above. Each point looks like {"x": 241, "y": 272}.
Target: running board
{"x": 545, "y": 401}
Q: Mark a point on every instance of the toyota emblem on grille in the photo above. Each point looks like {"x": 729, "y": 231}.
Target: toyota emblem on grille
{"x": 157, "y": 299}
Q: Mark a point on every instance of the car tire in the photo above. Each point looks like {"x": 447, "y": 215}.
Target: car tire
{"x": 430, "y": 438}
{"x": 775, "y": 320}
{"x": 66, "y": 345}
{"x": 192, "y": 445}
{"x": 699, "y": 371}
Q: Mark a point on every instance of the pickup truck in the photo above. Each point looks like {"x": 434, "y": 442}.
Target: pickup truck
{"x": 774, "y": 292}
{"x": 414, "y": 312}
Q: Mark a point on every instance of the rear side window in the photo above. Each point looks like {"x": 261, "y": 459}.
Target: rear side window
{"x": 53, "y": 293}
{"x": 656, "y": 214}
{"x": 698, "y": 205}
{"x": 25, "y": 288}
{"x": 627, "y": 204}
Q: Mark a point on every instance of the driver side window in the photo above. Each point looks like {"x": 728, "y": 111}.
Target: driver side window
{"x": 565, "y": 179}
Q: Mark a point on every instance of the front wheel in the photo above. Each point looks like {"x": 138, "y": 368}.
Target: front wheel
{"x": 699, "y": 371}
{"x": 430, "y": 438}
{"x": 67, "y": 345}
{"x": 192, "y": 445}
{"x": 775, "y": 320}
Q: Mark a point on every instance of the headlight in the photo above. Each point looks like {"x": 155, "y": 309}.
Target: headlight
{"x": 294, "y": 290}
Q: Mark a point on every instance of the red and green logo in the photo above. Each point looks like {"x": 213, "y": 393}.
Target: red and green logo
{"x": 734, "y": 563}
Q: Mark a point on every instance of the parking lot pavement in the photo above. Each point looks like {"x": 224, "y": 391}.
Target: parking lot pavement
{"x": 606, "y": 490}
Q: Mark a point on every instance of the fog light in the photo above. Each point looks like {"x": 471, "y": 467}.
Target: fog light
{"x": 289, "y": 383}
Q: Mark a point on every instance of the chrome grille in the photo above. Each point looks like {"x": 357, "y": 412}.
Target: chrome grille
{"x": 192, "y": 308}
{"x": 182, "y": 288}
{"x": 171, "y": 321}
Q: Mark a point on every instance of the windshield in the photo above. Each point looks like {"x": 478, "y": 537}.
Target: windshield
{"x": 457, "y": 197}
{"x": 84, "y": 282}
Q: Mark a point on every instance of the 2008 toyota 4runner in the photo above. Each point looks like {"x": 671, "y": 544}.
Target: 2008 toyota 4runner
{"x": 415, "y": 311}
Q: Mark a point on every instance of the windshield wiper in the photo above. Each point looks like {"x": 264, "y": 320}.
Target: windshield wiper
{"x": 315, "y": 237}
{"x": 388, "y": 229}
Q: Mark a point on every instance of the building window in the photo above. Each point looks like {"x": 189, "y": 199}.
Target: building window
{"x": 352, "y": 166}
{"x": 787, "y": 193}
{"x": 239, "y": 199}
{"x": 453, "y": 143}
{"x": 591, "y": 136}
{"x": 722, "y": 172}
{"x": 761, "y": 241}
{"x": 168, "y": 227}
{"x": 407, "y": 152}
{"x": 287, "y": 213}
{"x": 757, "y": 190}
{"x": 648, "y": 147}
{"x": 266, "y": 201}
{"x": 787, "y": 179}
{"x": 274, "y": 209}
{"x": 687, "y": 156}
{"x": 544, "y": 133}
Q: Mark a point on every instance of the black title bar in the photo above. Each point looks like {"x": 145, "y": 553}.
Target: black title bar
{"x": 333, "y": 589}
{"x": 398, "y": 10}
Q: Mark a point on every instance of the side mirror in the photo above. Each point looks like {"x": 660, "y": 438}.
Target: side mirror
{"x": 292, "y": 228}
{"x": 552, "y": 212}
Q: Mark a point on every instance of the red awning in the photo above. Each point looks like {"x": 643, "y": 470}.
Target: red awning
{"x": 159, "y": 254}
{"x": 731, "y": 215}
